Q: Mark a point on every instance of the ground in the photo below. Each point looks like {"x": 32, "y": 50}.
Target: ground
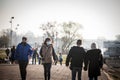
{"x": 35, "y": 72}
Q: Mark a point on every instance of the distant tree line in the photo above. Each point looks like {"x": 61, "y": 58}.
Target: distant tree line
{"x": 68, "y": 31}
{"x": 4, "y": 38}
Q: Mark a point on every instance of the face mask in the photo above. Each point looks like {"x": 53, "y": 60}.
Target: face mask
{"x": 49, "y": 42}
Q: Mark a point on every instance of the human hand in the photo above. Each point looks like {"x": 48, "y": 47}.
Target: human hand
{"x": 55, "y": 62}
{"x": 67, "y": 65}
{"x": 85, "y": 68}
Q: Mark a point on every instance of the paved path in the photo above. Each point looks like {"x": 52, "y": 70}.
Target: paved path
{"x": 35, "y": 72}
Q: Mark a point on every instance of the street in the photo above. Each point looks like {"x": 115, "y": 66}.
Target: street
{"x": 35, "y": 72}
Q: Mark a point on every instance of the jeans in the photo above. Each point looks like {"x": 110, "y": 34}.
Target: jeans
{"x": 75, "y": 71}
{"x": 22, "y": 67}
{"x": 60, "y": 62}
{"x": 47, "y": 70}
{"x": 39, "y": 60}
{"x": 93, "y": 78}
{"x": 34, "y": 60}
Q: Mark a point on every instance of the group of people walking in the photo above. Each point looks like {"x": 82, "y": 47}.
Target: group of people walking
{"x": 92, "y": 59}
{"x": 77, "y": 55}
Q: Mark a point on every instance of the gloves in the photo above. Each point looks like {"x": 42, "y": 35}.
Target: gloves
{"x": 67, "y": 64}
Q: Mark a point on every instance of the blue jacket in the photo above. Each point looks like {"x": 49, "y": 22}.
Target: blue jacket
{"x": 22, "y": 52}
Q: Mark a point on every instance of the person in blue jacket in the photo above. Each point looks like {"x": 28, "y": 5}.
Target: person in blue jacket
{"x": 23, "y": 53}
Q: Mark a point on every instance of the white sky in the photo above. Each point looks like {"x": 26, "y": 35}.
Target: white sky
{"x": 100, "y": 18}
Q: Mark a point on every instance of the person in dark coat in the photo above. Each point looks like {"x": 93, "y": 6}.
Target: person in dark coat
{"x": 7, "y": 59}
{"x": 94, "y": 62}
{"x": 12, "y": 57}
{"x": 35, "y": 56}
{"x": 76, "y": 58}
{"x": 22, "y": 55}
{"x": 60, "y": 58}
{"x": 7, "y": 51}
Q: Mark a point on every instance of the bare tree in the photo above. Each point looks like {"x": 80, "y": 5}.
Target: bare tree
{"x": 4, "y": 38}
{"x": 49, "y": 29}
{"x": 71, "y": 33}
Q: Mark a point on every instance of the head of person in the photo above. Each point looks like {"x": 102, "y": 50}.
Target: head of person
{"x": 79, "y": 42}
{"x": 93, "y": 46}
{"x": 24, "y": 39}
{"x": 60, "y": 53}
{"x": 14, "y": 47}
{"x": 47, "y": 41}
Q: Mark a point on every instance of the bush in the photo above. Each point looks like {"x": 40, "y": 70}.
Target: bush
{"x": 2, "y": 54}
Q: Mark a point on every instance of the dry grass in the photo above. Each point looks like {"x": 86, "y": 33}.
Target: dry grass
{"x": 2, "y": 54}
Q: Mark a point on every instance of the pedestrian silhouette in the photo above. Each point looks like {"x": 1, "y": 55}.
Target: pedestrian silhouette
{"x": 94, "y": 62}
{"x": 76, "y": 58}
{"x": 60, "y": 58}
{"x": 12, "y": 57}
{"x": 7, "y": 51}
{"x": 35, "y": 56}
{"x": 23, "y": 53}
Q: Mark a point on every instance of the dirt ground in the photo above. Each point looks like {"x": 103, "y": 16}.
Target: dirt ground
{"x": 35, "y": 72}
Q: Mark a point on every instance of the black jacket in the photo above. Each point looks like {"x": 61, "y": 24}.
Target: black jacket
{"x": 75, "y": 57}
{"x": 94, "y": 61}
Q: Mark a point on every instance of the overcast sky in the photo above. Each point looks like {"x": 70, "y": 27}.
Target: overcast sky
{"x": 99, "y": 18}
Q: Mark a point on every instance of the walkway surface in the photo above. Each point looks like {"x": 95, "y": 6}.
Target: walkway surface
{"x": 35, "y": 72}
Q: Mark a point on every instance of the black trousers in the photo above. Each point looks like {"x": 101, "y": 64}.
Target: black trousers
{"x": 47, "y": 70}
{"x": 93, "y": 78}
{"x": 22, "y": 67}
{"x": 34, "y": 60}
{"x": 75, "y": 71}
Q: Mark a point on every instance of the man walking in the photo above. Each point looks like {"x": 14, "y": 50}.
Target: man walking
{"x": 76, "y": 58}
{"x": 23, "y": 53}
{"x": 35, "y": 56}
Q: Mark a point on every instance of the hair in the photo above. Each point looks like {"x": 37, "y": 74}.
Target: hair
{"x": 93, "y": 45}
{"x": 13, "y": 46}
{"x": 47, "y": 39}
{"x": 79, "y": 42}
{"x": 24, "y": 38}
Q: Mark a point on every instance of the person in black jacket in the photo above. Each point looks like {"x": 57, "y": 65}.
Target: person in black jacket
{"x": 76, "y": 58}
{"x": 94, "y": 62}
{"x": 7, "y": 51}
{"x": 12, "y": 57}
{"x": 34, "y": 56}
